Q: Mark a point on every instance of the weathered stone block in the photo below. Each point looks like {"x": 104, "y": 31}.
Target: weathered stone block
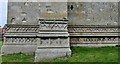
{"x": 12, "y": 49}
{"x": 51, "y": 53}
{"x": 55, "y": 43}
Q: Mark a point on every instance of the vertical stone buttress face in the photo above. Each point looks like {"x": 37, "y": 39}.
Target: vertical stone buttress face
{"x": 30, "y": 12}
{"x": 53, "y": 41}
{"x": 93, "y": 13}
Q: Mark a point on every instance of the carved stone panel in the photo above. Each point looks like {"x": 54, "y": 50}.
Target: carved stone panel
{"x": 53, "y": 42}
{"x": 92, "y": 40}
{"x": 20, "y": 41}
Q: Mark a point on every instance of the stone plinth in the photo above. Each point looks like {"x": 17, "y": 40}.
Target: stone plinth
{"x": 53, "y": 41}
{"x": 19, "y": 39}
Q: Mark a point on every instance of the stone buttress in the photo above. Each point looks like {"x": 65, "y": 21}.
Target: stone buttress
{"x": 53, "y": 41}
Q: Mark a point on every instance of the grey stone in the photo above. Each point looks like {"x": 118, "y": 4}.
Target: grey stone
{"x": 51, "y": 53}
{"x": 12, "y": 49}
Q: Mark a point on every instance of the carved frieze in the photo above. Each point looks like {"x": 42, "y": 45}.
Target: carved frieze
{"x": 21, "y": 29}
{"x": 89, "y": 29}
{"x": 53, "y": 42}
{"x": 53, "y": 25}
{"x": 93, "y": 30}
{"x": 20, "y": 41}
{"x": 91, "y": 40}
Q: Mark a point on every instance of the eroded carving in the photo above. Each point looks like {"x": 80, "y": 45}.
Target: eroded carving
{"x": 88, "y": 29}
{"x": 21, "y": 41}
{"x": 95, "y": 40}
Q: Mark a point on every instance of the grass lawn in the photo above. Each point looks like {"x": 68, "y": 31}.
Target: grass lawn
{"x": 1, "y": 44}
{"x": 79, "y": 54}
{"x": 0, "y": 50}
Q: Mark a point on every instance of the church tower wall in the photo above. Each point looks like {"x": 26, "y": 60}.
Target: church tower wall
{"x": 89, "y": 24}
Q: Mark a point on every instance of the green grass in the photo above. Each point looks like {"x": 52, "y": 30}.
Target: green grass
{"x": 18, "y": 58}
{"x": 79, "y": 54}
{"x": 83, "y": 54}
{"x": 0, "y": 50}
{"x": 1, "y": 44}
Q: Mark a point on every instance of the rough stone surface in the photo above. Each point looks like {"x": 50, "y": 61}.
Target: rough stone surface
{"x": 12, "y": 49}
{"x": 80, "y": 13}
{"x": 51, "y": 53}
{"x": 93, "y": 13}
{"x": 33, "y": 11}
